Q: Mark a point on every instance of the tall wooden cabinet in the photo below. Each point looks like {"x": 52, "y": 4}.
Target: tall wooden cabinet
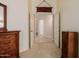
{"x": 9, "y": 44}
{"x": 69, "y": 44}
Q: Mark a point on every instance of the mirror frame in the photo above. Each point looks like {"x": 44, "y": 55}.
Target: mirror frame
{"x": 5, "y": 17}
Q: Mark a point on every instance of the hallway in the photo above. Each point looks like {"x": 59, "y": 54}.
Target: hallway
{"x": 42, "y": 49}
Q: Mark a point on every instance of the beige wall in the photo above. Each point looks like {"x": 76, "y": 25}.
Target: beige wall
{"x": 17, "y": 18}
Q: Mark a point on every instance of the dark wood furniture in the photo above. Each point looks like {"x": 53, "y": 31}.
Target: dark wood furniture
{"x": 9, "y": 44}
{"x": 69, "y": 44}
{"x": 44, "y": 9}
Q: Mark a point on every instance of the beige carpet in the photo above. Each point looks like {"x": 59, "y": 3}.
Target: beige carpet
{"x": 42, "y": 49}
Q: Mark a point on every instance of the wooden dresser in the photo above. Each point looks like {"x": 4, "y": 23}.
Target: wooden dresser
{"x": 69, "y": 44}
{"x": 9, "y": 44}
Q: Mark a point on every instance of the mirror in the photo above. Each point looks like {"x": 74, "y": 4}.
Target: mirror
{"x": 3, "y": 17}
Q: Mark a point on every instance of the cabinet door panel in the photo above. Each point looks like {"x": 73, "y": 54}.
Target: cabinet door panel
{"x": 9, "y": 45}
{"x": 64, "y": 44}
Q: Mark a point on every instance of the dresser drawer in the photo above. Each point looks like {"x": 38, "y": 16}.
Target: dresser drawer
{"x": 9, "y": 44}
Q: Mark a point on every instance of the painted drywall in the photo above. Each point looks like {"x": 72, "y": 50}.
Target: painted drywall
{"x": 53, "y": 3}
{"x": 48, "y": 26}
{"x": 70, "y": 16}
{"x": 17, "y": 19}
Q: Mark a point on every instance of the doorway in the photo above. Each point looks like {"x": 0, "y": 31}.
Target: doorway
{"x": 36, "y": 24}
{"x": 44, "y": 30}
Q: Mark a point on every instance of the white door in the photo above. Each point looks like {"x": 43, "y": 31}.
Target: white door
{"x": 40, "y": 27}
